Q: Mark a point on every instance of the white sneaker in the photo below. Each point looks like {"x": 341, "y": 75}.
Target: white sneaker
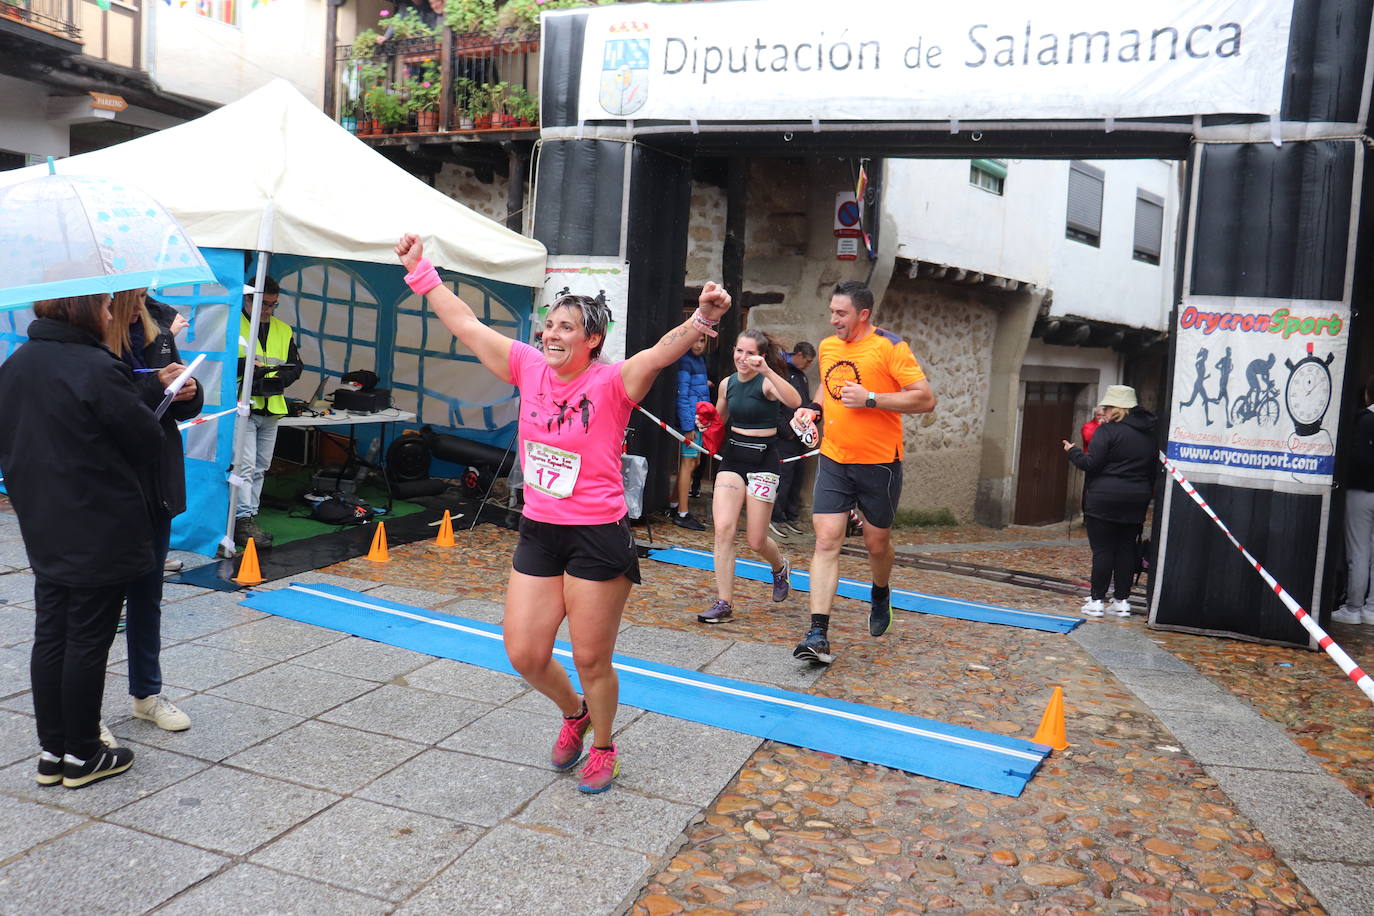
{"x": 107, "y": 737}
{"x": 1121, "y": 608}
{"x": 1369, "y": 616}
{"x": 162, "y": 713}
{"x": 1345, "y": 614}
{"x": 1093, "y": 608}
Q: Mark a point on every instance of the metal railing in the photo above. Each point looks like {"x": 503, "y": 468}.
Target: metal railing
{"x": 488, "y": 83}
{"x": 56, "y": 17}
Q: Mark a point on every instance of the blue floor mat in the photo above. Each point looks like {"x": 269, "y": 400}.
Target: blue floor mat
{"x": 959, "y": 755}
{"x": 938, "y": 605}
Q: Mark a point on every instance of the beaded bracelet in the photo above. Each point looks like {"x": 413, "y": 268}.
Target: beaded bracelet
{"x": 706, "y": 325}
{"x": 423, "y": 278}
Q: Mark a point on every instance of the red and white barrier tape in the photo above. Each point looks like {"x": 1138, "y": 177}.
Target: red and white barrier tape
{"x": 1356, "y": 674}
{"x": 205, "y": 419}
{"x": 683, "y": 439}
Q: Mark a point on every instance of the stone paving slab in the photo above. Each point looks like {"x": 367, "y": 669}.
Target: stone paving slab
{"x": 12, "y": 553}
{"x": 623, "y": 819}
{"x": 371, "y": 848}
{"x": 18, "y": 740}
{"x": 199, "y": 667}
{"x": 1305, "y": 815}
{"x": 89, "y": 870}
{"x": 358, "y": 657}
{"x": 444, "y": 675}
{"x": 1344, "y": 890}
{"x": 758, "y": 663}
{"x": 325, "y": 756}
{"x": 17, "y": 588}
{"x": 294, "y": 689}
{"x": 474, "y": 790}
{"x": 681, "y": 761}
{"x": 198, "y": 617}
{"x": 153, "y": 770}
{"x": 219, "y": 728}
{"x": 315, "y": 577}
{"x": 274, "y": 637}
{"x": 14, "y": 671}
{"x": 404, "y": 712}
{"x": 179, "y": 591}
{"x": 583, "y": 878}
{"x": 252, "y": 889}
{"x": 225, "y": 810}
{"x": 28, "y": 823}
{"x": 411, "y": 596}
{"x": 16, "y": 625}
{"x": 670, "y": 647}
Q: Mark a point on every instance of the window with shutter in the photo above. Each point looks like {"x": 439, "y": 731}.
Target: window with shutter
{"x": 1149, "y": 226}
{"x": 988, "y": 174}
{"x": 1084, "y": 223}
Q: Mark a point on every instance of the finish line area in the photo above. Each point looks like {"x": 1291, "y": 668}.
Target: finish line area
{"x": 925, "y": 747}
{"x": 937, "y": 605}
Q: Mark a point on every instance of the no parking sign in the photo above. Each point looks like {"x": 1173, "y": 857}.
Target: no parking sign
{"x": 848, "y": 216}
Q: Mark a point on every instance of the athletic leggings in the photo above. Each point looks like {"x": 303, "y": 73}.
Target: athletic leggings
{"x": 1113, "y": 545}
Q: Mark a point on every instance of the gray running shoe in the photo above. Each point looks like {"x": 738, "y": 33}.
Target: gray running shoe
{"x": 781, "y": 581}
{"x": 814, "y": 648}
{"x": 719, "y": 613}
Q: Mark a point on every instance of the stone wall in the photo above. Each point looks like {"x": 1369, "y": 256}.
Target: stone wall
{"x": 950, "y": 330}
{"x": 705, "y": 233}
{"x": 486, "y": 197}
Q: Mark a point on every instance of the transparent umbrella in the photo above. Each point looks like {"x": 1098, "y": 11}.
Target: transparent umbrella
{"x": 70, "y": 235}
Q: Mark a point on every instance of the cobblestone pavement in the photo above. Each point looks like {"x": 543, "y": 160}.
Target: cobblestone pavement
{"x": 1122, "y": 822}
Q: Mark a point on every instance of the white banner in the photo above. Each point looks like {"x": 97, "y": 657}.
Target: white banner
{"x": 874, "y": 60}
{"x": 602, "y": 278}
{"x": 1257, "y": 388}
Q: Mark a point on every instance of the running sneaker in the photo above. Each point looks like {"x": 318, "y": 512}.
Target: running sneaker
{"x": 719, "y": 613}
{"x": 778, "y": 531}
{"x": 879, "y": 610}
{"x": 782, "y": 580}
{"x": 49, "y": 770}
{"x": 688, "y": 521}
{"x": 1120, "y": 608}
{"x": 793, "y": 527}
{"x": 107, "y": 762}
{"x": 603, "y": 766}
{"x": 568, "y": 748}
{"x": 1345, "y": 614}
{"x": 814, "y": 648}
{"x": 1093, "y": 607}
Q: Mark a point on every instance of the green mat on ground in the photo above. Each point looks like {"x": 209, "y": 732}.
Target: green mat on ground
{"x": 295, "y": 524}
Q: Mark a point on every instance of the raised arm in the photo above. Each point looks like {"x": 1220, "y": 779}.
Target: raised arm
{"x": 776, "y": 386}
{"x": 491, "y": 347}
{"x": 639, "y": 371}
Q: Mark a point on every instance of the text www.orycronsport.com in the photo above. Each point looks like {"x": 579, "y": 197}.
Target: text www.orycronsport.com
{"x": 1236, "y": 458}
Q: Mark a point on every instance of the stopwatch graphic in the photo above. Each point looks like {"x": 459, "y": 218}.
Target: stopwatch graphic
{"x": 1308, "y": 392}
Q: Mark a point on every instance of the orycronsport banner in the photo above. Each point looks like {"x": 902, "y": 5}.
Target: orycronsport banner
{"x": 911, "y": 60}
{"x": 1257, "y": 388}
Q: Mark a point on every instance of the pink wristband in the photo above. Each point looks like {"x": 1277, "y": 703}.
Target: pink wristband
{"x": 423, "y": 278}
{"x": 704, "y": 324}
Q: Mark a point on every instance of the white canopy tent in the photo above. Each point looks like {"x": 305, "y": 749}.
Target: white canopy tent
{"x": 274, "y": 175}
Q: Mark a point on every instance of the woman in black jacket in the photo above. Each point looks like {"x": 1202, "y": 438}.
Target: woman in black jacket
{"x": 76, "y": 442}
{"x": 140, "y": 332}
{"x": 1121, "y": 465}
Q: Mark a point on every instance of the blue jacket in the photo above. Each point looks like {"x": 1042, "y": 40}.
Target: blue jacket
{"x": 692, "y": 386}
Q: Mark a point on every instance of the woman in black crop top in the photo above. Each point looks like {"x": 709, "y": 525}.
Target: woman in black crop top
{"x": 748, "y": 475}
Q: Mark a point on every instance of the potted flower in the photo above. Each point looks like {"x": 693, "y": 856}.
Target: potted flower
{"x": 424, "y": 98}
{"x": 409, "y": 25}
{"x": 523, "y": 106}
{"x": 387, "y": 107}
{"x": 464, "y": 90}
{"x": 366, "y": 44}
{"x": 371, "y": 79}
{"x": 499, "y": 115}
{"x": 470, "y": 16}
{"x": 479, "y": 106}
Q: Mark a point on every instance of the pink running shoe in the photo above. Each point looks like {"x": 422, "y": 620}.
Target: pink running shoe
{"x": 603, "y": 766}
{"x": 568, "y": 748}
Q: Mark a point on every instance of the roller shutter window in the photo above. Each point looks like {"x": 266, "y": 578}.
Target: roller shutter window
{"x": 1085, "y": 203}
{"x": 988, "y": 174}
{"x": 1149, "y": 226}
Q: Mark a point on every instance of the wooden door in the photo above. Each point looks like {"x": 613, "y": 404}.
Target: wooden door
{"x": 1042, "y": 482}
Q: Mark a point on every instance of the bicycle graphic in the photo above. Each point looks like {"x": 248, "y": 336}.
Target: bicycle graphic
{"x": 1257, "y": 404}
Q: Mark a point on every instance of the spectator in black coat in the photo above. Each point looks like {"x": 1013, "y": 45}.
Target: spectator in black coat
{"x": 76, "y": 448}
{"x": 140, "y": 332}
{"x": 1121, "y": 468}
{"x": 1359, "y": 517}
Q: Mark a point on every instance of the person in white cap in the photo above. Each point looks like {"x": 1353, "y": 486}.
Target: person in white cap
{"x": 1121, "y": 468}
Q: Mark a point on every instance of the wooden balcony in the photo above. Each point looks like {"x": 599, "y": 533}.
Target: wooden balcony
{"x": 40, "y": 26}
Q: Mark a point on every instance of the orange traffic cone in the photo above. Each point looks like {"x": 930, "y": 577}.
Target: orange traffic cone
{"x": 249, "y": 574}
{"x": 445, "y": 538}
{"x": 1051, "y": 730}
{"x": 377, "y": 553}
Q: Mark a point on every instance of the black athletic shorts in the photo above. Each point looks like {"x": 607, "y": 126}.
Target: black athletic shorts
{"x": 745, "y": 455}
{"x": 876, "y": 488}
{"x": 597, "y": 553}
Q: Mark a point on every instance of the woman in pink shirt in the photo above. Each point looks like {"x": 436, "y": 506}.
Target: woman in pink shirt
{"x": 576, "y": 556}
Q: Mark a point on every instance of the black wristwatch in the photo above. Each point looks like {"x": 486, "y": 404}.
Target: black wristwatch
{"x": 871, "y": 400}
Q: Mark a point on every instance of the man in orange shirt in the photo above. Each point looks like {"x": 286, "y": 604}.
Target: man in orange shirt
{"x": 869, "y": 378}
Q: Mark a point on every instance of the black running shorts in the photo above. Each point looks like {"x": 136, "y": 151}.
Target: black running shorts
{"x": 876, "y": 488}
{"x": 597, "y": 553}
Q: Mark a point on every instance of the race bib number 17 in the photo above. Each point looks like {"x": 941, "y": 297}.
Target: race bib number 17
{"x": 552, "y": 471}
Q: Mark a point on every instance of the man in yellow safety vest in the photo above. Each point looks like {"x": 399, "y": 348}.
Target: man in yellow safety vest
{"x": 276, "y": 364}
